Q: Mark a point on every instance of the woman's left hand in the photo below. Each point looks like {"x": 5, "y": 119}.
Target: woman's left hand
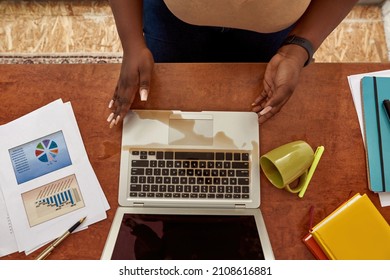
{"x": 280, "y": 80}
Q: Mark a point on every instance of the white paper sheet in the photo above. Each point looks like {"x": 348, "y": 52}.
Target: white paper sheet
{"x": 355, "y": 86}
{"x": 47, "y": 180}
{"x": 7, "y": 241}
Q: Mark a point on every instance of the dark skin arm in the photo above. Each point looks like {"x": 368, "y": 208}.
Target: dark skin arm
{"x": 282, "y": 73}
{"x": 137, "y": 63}
{"x": 281, "y": 76}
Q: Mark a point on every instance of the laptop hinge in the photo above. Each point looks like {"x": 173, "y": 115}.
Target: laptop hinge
{"x": 138, "y": 204}
{"x": 239, "y": 206}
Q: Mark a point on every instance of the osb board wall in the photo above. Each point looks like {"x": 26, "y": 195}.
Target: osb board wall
{"x": 57, "y": 27}
{"x": 84, "y": 27}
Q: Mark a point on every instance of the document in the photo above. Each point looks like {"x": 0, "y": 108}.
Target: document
{"x": 46, "y": 177}
{"x": 355, "y": 86}
{"x": 7, "y": 241}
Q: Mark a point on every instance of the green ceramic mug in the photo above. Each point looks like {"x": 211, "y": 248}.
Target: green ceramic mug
{"x": 287, "y": 163}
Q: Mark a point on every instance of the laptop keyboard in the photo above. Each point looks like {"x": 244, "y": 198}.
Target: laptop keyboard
{"x": 193, "y": 175}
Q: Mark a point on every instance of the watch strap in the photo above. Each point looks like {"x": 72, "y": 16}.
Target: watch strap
{"x": 304, "y": 43}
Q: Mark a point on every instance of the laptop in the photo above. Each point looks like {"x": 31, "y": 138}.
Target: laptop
{"x": 189, "y": 188}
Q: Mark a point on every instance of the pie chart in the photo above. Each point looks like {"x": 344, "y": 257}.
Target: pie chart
{"x": 46, "y": 150}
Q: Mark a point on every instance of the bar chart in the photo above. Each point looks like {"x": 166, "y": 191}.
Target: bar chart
{"x": 52, "y": 200}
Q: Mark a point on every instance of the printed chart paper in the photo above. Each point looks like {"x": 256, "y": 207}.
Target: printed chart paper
{"x": 46, "y": 178}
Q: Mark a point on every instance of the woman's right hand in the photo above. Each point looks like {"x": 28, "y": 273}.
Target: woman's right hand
{"x": 135, "y": 77}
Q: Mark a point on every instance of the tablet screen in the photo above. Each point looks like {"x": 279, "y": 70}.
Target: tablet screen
{"x": 187, "y": 237}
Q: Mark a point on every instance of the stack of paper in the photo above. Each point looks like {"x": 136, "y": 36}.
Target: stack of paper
{"x": 46, "y": 180}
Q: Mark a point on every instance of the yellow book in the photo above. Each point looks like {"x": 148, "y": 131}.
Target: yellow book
{"x": 354, "y": 231}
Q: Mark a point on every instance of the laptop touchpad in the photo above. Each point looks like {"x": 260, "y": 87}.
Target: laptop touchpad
{"x": 191, "y": 129}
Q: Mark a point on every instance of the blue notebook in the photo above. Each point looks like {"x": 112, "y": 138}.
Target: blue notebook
{"x": 377, "y": 131}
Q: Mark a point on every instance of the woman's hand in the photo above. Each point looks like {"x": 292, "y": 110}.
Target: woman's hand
{"x": 135, "y": 77}
{"x": 280, "y": 80}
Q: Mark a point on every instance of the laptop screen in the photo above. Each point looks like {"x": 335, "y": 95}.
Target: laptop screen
{"x": 186, "y": 237}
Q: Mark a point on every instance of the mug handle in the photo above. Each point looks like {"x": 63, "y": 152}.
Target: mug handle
{"x": 301, "y": 183}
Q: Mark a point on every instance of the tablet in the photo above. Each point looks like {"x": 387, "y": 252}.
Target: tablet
{"x": 186, "y": 234}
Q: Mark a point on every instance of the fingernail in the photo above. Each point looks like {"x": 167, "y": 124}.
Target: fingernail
{"x": 117, "y": 119}
{"x": 265, "y": 110}
{"x": 144, "y": 94}
{"x": 110, "y": 117}
{"x": 112, "y": 123}
{"x": 110, "y": 104}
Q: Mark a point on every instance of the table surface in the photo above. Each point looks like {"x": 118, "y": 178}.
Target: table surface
{"x": 321, "y": 112}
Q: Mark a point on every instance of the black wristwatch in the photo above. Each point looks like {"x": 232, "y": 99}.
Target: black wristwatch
{"x": 304, "y": 43}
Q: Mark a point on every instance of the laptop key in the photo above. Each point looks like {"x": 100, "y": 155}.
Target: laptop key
{"x": 134, "y": 179}
{"x": 137, "y": 171}
{"x": 168, "y": 155}
{"x": 135, "y": 187}
{"x": 242, "y": 173}
{"x": 140, "y": 163}
{"x": 240, "y": 165}
{"x": 243, "y": 181}
{"x": 194, "y": 155}
{"x": 159, "y": 155}
{"x": 219, "y": 156}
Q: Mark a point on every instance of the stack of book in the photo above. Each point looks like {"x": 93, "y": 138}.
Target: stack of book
{"x": 356, "y": 230}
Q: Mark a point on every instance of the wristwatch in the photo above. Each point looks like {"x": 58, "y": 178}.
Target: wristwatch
{"x": 304, "y": 43}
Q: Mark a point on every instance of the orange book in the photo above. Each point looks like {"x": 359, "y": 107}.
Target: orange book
{"x": 354, "y": 231}
{"x": 313, "y": 247}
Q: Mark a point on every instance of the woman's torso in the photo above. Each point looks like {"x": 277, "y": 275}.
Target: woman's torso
{"x": 257, "y": 15}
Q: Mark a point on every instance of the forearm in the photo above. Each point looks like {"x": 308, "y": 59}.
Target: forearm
{"x": 321, "y": 18}
{"x": 128, "y": 20}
